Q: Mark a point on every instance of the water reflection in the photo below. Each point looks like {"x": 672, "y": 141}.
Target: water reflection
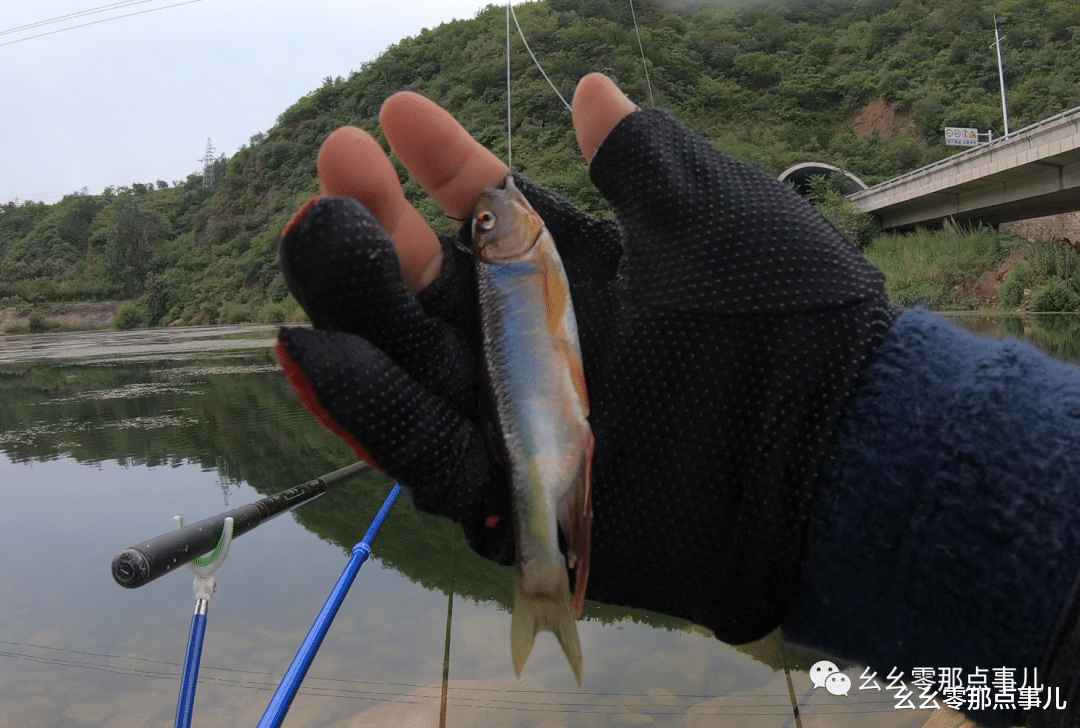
{"x": 100, "y": 448}
{"x": 1057, "y": 334}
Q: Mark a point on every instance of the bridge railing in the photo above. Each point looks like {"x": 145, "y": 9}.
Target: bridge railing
{"x": 967, "y": 152}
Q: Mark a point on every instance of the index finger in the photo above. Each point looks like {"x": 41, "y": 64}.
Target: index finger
{"x": 351, "y": 163}
{"x": 442, "y": 157}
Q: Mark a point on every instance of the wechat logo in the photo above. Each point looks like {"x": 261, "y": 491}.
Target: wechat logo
{"x": 827, "y": 675}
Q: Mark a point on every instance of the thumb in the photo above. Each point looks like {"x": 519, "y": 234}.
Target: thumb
{"x": 598, "y": 106}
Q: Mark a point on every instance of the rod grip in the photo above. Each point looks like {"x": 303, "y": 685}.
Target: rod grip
{"x": 145, "y": 561}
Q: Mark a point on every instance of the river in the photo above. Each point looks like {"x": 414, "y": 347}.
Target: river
{"x": 104, "y": 436}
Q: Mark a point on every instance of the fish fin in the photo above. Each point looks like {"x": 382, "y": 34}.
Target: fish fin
{"x": 581, "y": 546}
{"x": 575, "y": 520}
{"x": 556, "y": 292}
{"x": 562, "y": 325}
{"x": 533, "y": 613}
{"x": 577, "y": 372}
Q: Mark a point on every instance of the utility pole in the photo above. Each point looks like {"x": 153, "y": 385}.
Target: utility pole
{"x": 1001, "y": 76}
{"x": 208, "y": 165}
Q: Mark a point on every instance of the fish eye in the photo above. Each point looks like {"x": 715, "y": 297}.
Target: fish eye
{"x": 485, "y": 220}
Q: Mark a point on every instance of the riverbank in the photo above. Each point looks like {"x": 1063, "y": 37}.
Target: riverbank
{"x": 58, "y": 317}
{"x": 952, "y": 269}
{"x": 975, "y": 269}
{"x": 87, "y": 316}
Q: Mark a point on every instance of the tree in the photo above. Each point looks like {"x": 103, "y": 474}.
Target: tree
{"x": 129, "y": 235}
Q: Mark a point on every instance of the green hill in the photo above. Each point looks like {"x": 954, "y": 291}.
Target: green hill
{"x": 867, "y": 85}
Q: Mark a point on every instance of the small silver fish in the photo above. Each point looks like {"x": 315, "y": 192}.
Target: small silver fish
{"x": 533, "y": 362}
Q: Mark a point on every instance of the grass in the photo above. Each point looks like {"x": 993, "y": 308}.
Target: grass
{"x": 940, "y": 270}
{"x": 39, "y": 325}
{"x": 937, "y": 269}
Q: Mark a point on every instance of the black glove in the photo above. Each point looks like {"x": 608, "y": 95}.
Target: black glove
{"x": 723, "y": 326}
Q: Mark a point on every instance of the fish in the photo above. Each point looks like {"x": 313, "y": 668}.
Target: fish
{"x": 536, "y": 383}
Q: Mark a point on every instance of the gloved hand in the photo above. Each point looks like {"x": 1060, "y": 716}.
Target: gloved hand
{"x": 723, "y": 326}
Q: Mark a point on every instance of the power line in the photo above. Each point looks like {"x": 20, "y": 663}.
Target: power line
{"x": 69, "y": 16}
{"x": 96, "y": 22}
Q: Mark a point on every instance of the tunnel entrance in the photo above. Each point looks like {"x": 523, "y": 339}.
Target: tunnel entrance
{"x": 799, "y": 175}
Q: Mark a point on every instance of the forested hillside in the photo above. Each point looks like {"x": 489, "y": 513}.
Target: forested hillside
{"x": 772, "y": 83}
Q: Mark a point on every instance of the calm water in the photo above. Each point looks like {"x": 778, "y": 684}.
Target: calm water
{"x": 105, "y": 436}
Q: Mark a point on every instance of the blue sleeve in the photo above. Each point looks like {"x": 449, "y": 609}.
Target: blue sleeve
{"x": 946, "y": 528}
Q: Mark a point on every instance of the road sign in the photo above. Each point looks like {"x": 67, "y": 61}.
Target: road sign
{"x": 960, "y": 136}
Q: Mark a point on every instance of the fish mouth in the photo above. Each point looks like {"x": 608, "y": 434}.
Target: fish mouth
{"x": 509, "y": 185}
{"x": 515, "y": 229}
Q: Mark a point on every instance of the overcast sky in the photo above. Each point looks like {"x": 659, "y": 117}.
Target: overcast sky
{"x": 134, "y": 99}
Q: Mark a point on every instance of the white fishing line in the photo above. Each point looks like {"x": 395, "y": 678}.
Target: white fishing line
{"x": 648, "y": 84}
{"x": 510, "y": 13}
{"x": 509, "y": 154}
{"x": 542, "y": 71}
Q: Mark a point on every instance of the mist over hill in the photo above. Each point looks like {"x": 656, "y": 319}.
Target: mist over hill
{"x": 866, "y": 85}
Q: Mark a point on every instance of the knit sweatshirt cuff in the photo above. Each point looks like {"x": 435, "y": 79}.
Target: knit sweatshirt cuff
{"x": 946, "y": 528}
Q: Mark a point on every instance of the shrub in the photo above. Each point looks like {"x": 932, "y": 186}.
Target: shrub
{"x": 294, "y": 312}
{"x": 235, "y": 313}
{"x": 162, "y": 291}
{"x": 1051, "y": 260}
{"x": 1056, "y": 296}
{"x": 273, "y": 313}
{"x": 39, "y": 325}
{"x": 205, "y": 314}
{"x": 1012, "y": 293}
{"x": 129, "y": 316}
{"x": 827, "y": 195}
{"x": 857, "y": 226}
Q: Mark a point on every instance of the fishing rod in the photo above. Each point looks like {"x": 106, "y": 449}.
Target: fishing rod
{"x": 147, "y": 560}
{"x": 294, "y": 676}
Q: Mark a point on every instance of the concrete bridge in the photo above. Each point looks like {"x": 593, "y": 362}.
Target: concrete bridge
{"x": 1029, "y": 173}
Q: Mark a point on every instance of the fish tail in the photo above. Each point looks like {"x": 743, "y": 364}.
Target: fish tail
{"x": 533, "y": 613}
